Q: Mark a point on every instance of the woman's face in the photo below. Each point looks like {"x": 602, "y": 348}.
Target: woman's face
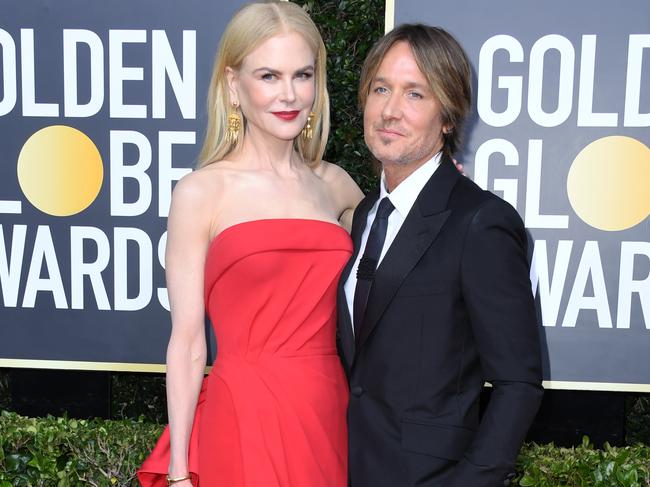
{"x": 275, "y": 86}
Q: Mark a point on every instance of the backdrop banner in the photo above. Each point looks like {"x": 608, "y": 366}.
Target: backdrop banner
{"x": 101, "y": 111}
{"x": 559, "y": 129}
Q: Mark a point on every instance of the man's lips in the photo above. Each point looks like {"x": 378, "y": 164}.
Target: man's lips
{"x": 389, "y": 132}
{"x": 288, "y": 115}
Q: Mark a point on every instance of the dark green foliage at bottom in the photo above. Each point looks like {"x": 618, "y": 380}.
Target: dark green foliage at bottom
{"x": 62, "y": 452}
{"x": 584, "y": 466}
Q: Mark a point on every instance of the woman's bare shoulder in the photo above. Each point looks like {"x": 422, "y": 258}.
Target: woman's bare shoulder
{"x": 338, "y": 179}
{"x": 344, "y": 191}
{"x": 202, "y": 190}
{"x": 206, "y": 182}
{"x": 329, "y": 171}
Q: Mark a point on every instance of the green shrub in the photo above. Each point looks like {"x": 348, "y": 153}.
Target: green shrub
{"x": 61, "y": 452}
{"x": 584, "y": 466}
{"x": 65, "y": 452}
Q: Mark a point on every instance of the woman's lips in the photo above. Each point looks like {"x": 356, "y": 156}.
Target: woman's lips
{"x": 287, "y": 115}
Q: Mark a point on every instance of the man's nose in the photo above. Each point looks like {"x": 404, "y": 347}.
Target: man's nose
{"x": 392, "y": 107}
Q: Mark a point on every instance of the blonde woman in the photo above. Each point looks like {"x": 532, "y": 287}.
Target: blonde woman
{"x": 257, "y": 237}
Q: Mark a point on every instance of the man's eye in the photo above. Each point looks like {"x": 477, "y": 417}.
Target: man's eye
{"x": 381, "y": 90}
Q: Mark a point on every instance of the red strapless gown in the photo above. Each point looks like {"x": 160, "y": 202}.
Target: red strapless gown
{"x": 272, "y": 411}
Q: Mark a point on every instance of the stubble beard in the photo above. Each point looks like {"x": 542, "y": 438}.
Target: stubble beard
{"x": 404, "y": 158}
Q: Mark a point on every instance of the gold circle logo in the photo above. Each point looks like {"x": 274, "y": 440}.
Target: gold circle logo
{"x": 60, "y": 170}
{"x": 609, "y": 183}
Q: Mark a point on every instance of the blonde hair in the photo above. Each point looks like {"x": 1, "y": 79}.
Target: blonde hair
{"x": 252, "y": 25}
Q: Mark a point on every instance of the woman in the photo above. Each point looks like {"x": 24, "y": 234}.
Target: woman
{"x": 254, "y": 238}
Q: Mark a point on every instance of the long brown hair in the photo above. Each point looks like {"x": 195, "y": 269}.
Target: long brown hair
{"x": 442, "y": 61}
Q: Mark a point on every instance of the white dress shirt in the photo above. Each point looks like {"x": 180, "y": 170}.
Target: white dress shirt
{"x": 403, "y": 198}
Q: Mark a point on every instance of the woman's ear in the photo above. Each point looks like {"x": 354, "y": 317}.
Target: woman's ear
{"x": 231, "y": 78}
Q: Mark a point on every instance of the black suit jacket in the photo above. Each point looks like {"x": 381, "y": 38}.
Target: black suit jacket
{"x": 450, "y": 308}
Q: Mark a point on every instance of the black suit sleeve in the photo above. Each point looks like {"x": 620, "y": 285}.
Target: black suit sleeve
{"x": 497, "y": 293}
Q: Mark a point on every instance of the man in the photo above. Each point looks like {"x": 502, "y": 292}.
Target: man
{"x": 437, "y": 298}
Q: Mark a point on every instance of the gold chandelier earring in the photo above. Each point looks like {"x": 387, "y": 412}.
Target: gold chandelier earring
{"x": 234, "y": 124}
{"x": 307, "y": 132}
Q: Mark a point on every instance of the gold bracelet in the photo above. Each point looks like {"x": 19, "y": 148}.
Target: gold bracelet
{"x": 171, "y": 480}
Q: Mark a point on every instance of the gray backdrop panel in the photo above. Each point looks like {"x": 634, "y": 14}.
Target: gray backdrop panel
{"x": 44, "y": 332}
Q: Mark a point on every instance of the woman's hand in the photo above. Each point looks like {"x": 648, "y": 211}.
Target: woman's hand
{"x": 459, "y": 166}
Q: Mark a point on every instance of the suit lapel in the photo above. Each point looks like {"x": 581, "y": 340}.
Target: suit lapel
{"x": 346, "y": 334}
{"x": 420, "y": 228}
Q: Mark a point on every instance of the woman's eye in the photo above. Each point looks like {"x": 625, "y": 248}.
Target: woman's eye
{"x": 268, "y": 76}
{"x": 305, "y": 75}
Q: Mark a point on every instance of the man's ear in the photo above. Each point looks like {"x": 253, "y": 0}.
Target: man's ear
{"x": 231, "y": 78}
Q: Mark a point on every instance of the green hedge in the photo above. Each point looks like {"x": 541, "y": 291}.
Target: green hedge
{"x": 584, "y": 466}
{"x": 61, "y": 452}
{"x": 349, "y": 28}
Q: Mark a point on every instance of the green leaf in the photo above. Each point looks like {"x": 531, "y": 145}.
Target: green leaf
{"x": 16, "y": 462}
{"x": 527, "y": 481}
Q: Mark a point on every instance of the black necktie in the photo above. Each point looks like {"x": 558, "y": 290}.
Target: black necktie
{"x": 368, "y": 263}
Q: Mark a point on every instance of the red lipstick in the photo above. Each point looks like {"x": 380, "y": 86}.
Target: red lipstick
{"x": 288, "y": 115}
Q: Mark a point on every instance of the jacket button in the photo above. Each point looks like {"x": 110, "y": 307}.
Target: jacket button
{"x": 356, "y": 390}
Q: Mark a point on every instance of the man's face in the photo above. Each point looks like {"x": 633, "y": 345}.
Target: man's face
{"x": 402, "y": 118}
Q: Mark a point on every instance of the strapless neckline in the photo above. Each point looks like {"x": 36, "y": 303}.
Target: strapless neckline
{"x": 232, "y": 229}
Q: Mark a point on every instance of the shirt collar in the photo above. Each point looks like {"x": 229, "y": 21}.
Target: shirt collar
{"x": 404, "y": 195}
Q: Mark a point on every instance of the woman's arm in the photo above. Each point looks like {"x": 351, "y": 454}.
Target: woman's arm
{"x": 187, "y": 243}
